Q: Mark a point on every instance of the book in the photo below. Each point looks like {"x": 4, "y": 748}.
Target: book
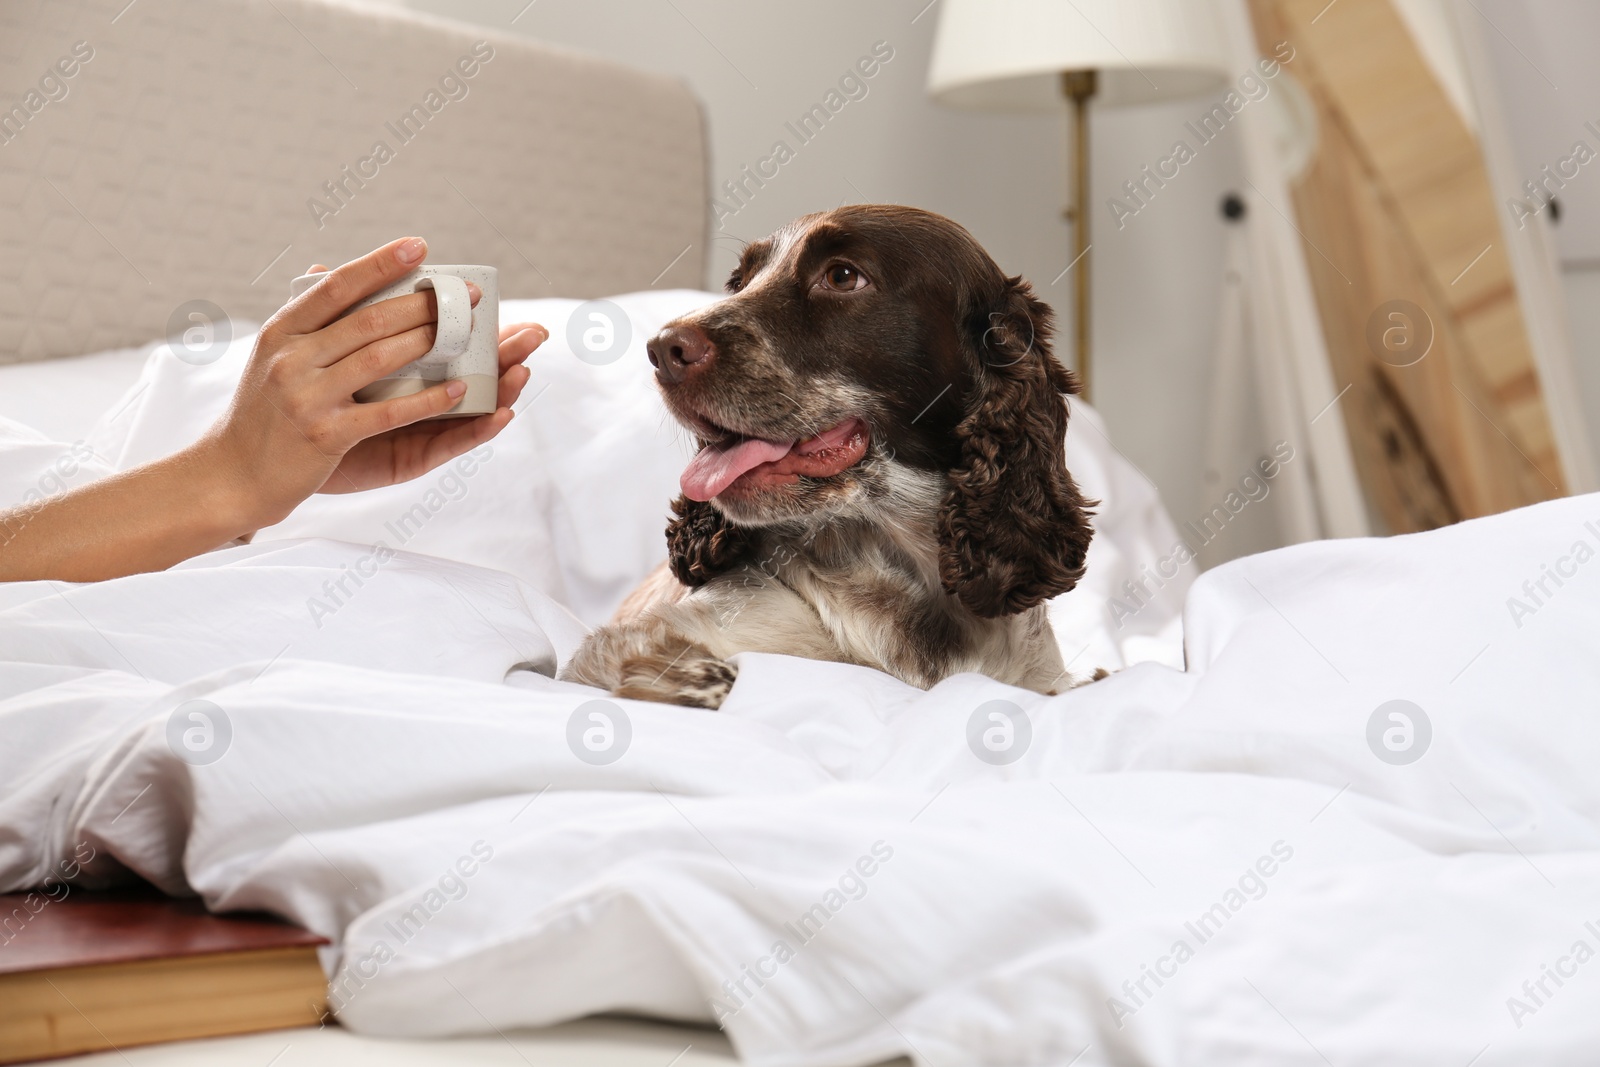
{"x": 97, "y": 971}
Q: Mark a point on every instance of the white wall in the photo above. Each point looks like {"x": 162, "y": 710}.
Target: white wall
{"x": 1543, "y": 53}
{"x": 1156, "y": 281}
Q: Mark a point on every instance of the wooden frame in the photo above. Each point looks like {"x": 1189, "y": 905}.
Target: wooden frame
{"x": 1445, "y": 408}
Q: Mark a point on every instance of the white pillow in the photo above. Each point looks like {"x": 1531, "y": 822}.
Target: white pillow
{"x": 62, "y": 398}
{"x": 573, "y": 496}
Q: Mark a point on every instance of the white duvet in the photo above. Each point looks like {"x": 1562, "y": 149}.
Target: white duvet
{"x": 1256, "y": 859}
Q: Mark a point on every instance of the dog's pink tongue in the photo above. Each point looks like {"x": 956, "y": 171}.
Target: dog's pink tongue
{"x": 715, "y": 468}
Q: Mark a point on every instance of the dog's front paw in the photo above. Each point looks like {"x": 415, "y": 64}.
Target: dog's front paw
{"x": 691, "y": 676}
{"x": 646, "y": 660}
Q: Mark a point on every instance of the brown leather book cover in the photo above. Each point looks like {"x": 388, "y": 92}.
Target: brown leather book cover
{"x": 37, "y": 933}
{"x": 99, "y": 971}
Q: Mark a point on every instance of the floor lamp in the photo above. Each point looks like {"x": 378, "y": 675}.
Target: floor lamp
{"x": 1041, "y": 55}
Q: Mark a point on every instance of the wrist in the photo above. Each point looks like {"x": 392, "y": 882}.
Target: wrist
{"x": 224, "y": 490}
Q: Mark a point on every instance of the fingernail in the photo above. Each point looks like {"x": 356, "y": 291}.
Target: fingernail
{"x": 454, "y": 389}
{"x": 412, "y": 251}
{"x": 474, "y": 292}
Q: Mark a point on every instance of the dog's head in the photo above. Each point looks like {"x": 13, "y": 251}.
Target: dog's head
{"x": 868, "y": 357}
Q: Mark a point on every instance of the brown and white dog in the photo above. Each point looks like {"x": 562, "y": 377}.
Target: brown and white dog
{"x": 880, "y": 478}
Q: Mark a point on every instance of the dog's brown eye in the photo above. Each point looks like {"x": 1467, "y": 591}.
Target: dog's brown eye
{"x": 843, "y": 278}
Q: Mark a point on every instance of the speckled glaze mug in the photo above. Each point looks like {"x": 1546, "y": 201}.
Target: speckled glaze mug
{"x": 467, "y": 347}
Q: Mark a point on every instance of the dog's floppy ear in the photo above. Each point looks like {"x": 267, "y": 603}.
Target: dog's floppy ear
{"x": 702, "y": 543}
{"x": 1014, "y": 528}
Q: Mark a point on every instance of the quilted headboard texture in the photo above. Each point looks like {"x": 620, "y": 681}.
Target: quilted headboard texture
{"x": 160, "y": 153}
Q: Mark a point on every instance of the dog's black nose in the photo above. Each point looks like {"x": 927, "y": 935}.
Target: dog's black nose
{"x": 676, "y": 349}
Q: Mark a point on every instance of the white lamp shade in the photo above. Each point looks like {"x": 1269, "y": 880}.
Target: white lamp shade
{"x": 1008, "y": 55}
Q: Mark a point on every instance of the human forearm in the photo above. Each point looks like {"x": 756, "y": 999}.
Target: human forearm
{"x": 146, "y": 519}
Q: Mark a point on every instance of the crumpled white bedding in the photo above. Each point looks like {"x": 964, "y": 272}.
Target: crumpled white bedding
{"x": 1223, "y": 864}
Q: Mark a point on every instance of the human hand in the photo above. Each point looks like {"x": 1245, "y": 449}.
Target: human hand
{"x": 411, "y": 451}
{"x": 294, "y": 427}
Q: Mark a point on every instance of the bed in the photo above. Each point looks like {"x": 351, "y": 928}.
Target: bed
{"x": 1336, "y": 805}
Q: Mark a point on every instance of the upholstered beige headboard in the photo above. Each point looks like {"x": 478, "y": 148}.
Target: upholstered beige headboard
{"x": 160, "y": 152}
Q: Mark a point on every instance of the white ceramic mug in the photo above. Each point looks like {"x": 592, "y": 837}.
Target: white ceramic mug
{"x": 466, "y": 348}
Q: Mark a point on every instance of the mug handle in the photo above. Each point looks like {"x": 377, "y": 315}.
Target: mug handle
{"x": 455, "y": 316}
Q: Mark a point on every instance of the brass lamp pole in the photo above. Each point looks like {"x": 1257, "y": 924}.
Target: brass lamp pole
{"x": 1079, "y": 86}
